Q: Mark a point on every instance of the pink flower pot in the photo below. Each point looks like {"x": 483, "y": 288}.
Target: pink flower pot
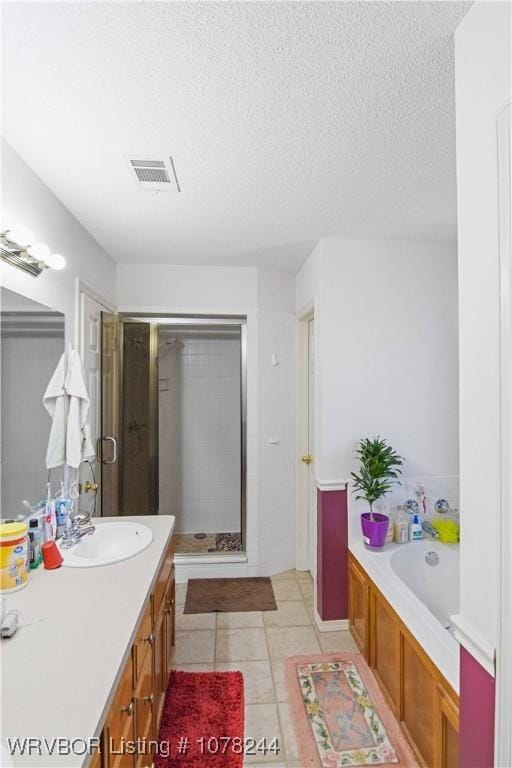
{"x": 374, "y": 531}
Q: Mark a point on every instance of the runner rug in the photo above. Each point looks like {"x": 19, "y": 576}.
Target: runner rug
{"x": 340, "y": 716}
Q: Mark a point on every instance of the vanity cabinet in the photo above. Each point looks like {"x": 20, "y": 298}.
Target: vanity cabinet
{"x": 421, "y": 699}
{"x": 133, "y": 719}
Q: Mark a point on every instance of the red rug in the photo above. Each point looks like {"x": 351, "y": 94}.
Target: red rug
{"x": 202, "y": 721}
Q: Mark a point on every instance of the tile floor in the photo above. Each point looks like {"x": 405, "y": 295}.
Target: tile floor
{"x": 256, "y": 644}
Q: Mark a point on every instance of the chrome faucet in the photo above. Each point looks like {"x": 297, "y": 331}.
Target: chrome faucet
{"x": 429, "y": 528}
{"x": 74, "y": 533}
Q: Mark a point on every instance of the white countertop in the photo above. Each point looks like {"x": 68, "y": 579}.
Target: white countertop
{"x": 77, "y": 625}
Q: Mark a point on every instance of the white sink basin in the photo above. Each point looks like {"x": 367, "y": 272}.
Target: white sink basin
{"x": 110, "y": 543}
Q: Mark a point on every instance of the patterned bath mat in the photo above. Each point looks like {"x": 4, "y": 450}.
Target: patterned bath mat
{"x": 340, "y": 716}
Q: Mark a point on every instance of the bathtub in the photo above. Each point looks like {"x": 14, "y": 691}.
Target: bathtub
{"x": 431, "y": 570}
{"x": 421, "y": 581}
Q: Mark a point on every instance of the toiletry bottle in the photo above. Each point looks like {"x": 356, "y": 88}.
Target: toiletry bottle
{"x": 401, "y": 529}
{"x": 31, "y": 551}
{"x": 415, "y": 529}
{"x": 50, "y": 522}
{"x": 62, "y": 510}
{"x": 389, "y": 532}
{"x": 36, "y": 542}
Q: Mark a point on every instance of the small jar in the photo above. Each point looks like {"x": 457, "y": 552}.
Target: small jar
{"x": 14, "y": 557}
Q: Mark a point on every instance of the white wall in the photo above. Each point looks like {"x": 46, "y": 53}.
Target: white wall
{"x": 266, "y": 298}
{"x": 483, "y": 90}
{"x": 161, "y": 286}
{"x": 386, "y": 352}
{"x": 28, "y": 202}
{"x": 306, "y": 282}
{"x": 276, "y": 440}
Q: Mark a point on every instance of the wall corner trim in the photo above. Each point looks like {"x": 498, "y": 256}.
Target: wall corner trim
{"x": 479, "y": 648}
{"x": 335, "y": 625}
{"x": 335, "y": 484}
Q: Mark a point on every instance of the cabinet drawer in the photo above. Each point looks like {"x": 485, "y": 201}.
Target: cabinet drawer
{"x": 143, "y": 642}
{"x": 163, "y": 578}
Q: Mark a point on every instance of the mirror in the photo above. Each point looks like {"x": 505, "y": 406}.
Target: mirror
{"x": 32, "y": 341}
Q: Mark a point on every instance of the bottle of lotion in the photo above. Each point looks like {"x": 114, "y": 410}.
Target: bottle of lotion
{"x": 415, "y": 529}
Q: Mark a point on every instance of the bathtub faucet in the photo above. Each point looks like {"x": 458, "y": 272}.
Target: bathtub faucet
{"x": 428, "y": 528}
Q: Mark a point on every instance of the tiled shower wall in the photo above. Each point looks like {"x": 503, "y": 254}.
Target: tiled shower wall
{"x": 199, "y": 432}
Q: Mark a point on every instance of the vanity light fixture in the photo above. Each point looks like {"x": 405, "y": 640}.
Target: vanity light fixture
{"x": 30, "y": 258}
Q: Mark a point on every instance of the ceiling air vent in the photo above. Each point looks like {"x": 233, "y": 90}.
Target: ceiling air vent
{"x": 154, "y": 175}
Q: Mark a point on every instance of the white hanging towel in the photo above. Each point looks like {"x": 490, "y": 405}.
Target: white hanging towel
{"x": 67, "y": 401}
{"x": 56, "y": 403}
{"x": 78, "y": 438}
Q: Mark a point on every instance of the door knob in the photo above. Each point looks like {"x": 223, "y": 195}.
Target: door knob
{"x": 87, "y": 486}
{"x": 307, "y": 458}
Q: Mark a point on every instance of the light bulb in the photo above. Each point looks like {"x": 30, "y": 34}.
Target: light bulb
{"x": 39, "y": 251}
{"x": 20, "y": 235}
{"x": 56, "y": 261}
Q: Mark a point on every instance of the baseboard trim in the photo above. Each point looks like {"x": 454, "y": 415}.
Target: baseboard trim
{"x": 336, "y": 625}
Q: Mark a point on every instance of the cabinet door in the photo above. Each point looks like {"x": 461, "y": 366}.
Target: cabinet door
{"x": 385, "y": 648}
{"x": 143, "y": 642}
{"x": 159, "y": 667}
{"x": 95, "y": 761}
{"x": 144, "y": 704}
{"x": 419, "y": 702}
{"x": 358, "y": 606}
{"x": 447, "y": 736}
{"x": 169, "y": 627}
{"x": 119, "y": 726}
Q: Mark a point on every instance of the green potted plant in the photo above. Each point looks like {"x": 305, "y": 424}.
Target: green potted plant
{"x": 379, "y": 467}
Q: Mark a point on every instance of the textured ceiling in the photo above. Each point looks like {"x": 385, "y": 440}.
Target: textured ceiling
{"x": 287, "y": 122}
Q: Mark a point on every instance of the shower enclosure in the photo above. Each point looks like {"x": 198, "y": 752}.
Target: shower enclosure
{"x": 200, "y": 434}
{"x": 182, "y": 427}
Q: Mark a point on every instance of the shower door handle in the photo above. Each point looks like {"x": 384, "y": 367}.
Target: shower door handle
{"x": 114, "y": 449}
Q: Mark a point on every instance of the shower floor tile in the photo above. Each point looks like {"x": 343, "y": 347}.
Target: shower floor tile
{"x": 204, "y": 543}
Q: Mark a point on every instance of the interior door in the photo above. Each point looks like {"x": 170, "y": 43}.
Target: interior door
{"x": 108, "y": 443}
{"x": 311, "y": 450}
{"x": 90, "y": 353}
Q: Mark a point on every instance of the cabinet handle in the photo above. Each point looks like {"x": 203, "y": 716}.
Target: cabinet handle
{"x": 149, "y": 700}
{"x": 149, "y": 639}
{"x": 128, "y": 710}
{"x": 168, "y": 608}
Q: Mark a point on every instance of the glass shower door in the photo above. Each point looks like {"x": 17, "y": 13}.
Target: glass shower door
{"x": 139, "y": 423}
{"x": 201, "y": 444}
